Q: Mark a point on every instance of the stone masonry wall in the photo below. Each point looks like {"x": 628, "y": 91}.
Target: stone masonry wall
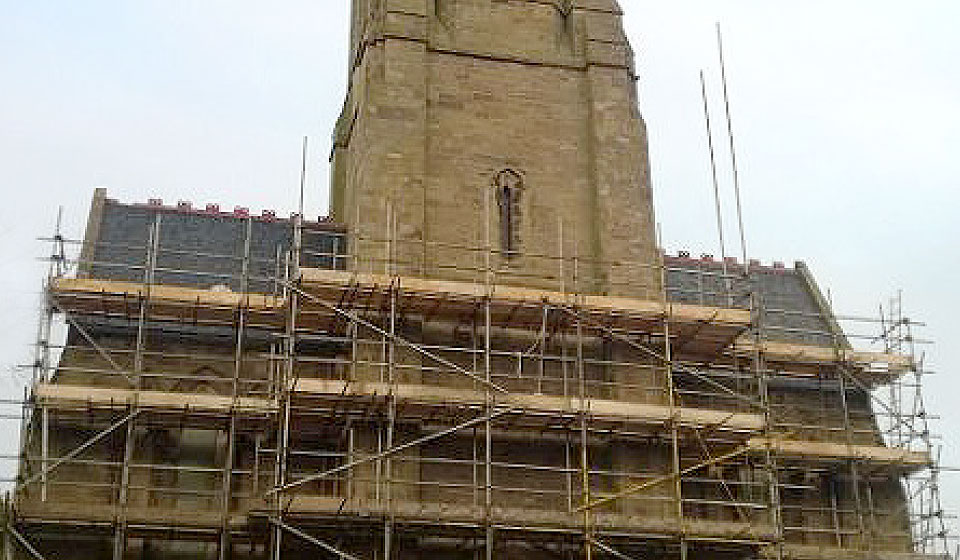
{"x": 444, "y": 95}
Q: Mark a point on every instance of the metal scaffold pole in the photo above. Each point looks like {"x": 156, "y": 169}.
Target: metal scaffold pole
{"x": 153, "y": 250}
{"x": 672, "y": 403}
{"x": 760, "y": 373}
{"x": 392, "y": 381}
{"x": 733, "y": 149}
{"x": 487, "y": 376}
{"x": 231, "y": 450}
{"x": 287, "y": 378}
{"x": 42, "y": 361}
{"x": 585, "y": 494}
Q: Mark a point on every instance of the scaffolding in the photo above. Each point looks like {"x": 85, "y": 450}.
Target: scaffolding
{"x": 364, "y": 411}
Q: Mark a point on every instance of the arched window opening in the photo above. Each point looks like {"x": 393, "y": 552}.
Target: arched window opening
{"x": 509, "y": 186}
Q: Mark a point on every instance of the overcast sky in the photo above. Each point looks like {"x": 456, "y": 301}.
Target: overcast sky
{"x": 847, "y": 116}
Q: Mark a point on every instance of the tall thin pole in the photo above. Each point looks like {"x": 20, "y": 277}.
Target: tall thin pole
{"x": 733, "y": 150}
{"x": 392, "y": 403}
{"x": 672, "y": 395}
{"x": 287, "y": 377}
{"x": 57, "y": 258}
{"x": 42, "y": 361}
{"x": 153, "y": 249}
{"x": 488, "y": 377}
{"x": 584, "y": 411}
{"x": 716, "y": 185}
{"x": 229, "y": 460}
{"x": 303, "y": 174}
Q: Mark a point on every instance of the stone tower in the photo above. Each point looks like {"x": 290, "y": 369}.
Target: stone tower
{"x": 511, "y": 125}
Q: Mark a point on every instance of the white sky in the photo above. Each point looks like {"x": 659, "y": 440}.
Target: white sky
{"x": 847, "y": 115}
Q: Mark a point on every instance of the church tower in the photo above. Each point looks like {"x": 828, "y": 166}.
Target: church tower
{"x": 496, "y": 135}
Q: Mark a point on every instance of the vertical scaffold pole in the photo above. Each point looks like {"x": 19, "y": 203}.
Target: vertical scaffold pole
{"x": 584, "y": 445}
{"x": 153, "y": 248}
{"x": 287, "y": 378}
{"x": 488, "y": 374}
{"x": 228, "y": 464}
{"x": 562, "y": 326}
{"x": 42, "y": 361}
{"x": 391, "y": 379}
{"x": 671, "y": 396}
{"x": 584, "y": 413}
{"x": 763, "y": 393}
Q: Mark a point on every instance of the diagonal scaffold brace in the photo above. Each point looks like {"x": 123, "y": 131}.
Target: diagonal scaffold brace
{"x": 313, "y": 540}
{"x": 76, "y": 452}
{"x": 23, "y": 542}
{"x": 393, "y": 450}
